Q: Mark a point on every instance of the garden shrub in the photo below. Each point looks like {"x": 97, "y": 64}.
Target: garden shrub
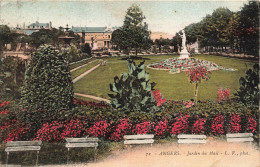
{"x": 122, "y": 128}
{"x": 161, "y": 129}
{"x": 217, "y": 126}
{"x": 47, "y": 88}
{"x": 142, "y": 128}
{"x": 99, "y": 129}
{"x": 235, "y": 125}
{"x": 181, "y": 125}
{"x": 199, "y": 126}
{"x": 248, "y": 93}
{"x": 133, "y": 90}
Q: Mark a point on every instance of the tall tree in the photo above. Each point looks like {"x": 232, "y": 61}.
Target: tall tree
{"x": 135, "y": 33}
{"x": 48, "y": 84}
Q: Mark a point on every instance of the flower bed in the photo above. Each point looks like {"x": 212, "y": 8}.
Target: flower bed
{"x": 175, "y": 65}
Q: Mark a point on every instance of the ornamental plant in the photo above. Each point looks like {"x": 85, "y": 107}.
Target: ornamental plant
{"x": 181, "y": 125}
{"x": 142, "y": 128}
{"x": 133, "y": 90}
{"x": 248, "y": 93}
{"x": 99, "y": 129}
{"x": 235, "y": 123}
{"x": 196, "y": 75}
{"x": 217, "y": 126}
{"x": 223, "y": 95}
{"x": 158, "y": 98}
{"x": 123, "y": 127}
{"x": 47, "y": 88}
{"x": 251, "y": 125}
{"x": 50, "y": 132}
{"x": 199, "y": 126}
{"x": 73, "y": 128}
{"x": 161, "y": 129}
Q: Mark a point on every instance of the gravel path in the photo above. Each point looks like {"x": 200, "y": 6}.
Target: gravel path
{"x": 85, "y": 73}
{"x": 212, "y": 154}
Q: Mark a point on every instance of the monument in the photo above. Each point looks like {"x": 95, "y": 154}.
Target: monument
{"x": 184, "y": 54}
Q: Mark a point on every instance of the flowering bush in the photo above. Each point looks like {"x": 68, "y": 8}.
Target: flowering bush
{"x": 251, "y": 125}
{"x": 161, "y": 129}
{"x": 73, "y": 128}
{"x": 199, "y": 126}
{"x": 99, "y": 129}
{"x": 50, "y": 132}
{"x": 12, "y": 130}
{"x": 196, "y": 75}
{"x": 142, "y": 128}
{"x": 223, "y": 95}
{"x": 5, "y": 103}
{"x": 217, "y": 126}
{"x": 235, "y": 126}
{"x": 122, "y": 128}
{"x": 181, "y": 125}
{"x": 158, "y": 98}
{"x": 188, "y": 104}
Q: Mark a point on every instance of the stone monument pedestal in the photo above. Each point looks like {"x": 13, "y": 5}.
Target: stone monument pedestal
{"x": 184, "y": 54}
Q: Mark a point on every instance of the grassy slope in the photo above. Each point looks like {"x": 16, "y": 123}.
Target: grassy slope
{"x": 80, "y": 71}
{"x": 175, "y": 86}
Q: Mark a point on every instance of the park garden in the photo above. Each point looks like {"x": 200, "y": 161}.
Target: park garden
{"x": 149, "y": 94}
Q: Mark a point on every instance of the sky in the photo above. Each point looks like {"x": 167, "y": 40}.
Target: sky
{"x": 161, "y": 16}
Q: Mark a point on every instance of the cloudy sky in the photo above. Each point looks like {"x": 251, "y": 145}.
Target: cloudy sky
{"x": 161, "y": 16}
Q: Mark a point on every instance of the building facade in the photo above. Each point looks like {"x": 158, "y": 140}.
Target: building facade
{"x": 34, "y": 27}
{"x": 96, "y": 37}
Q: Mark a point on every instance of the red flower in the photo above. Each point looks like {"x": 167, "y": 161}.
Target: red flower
{"x": 217, "y": 126}
{"x": 251, "y": 124}
{"x": 180, "y": 126}
{"x": 199, "y": 126}
{"x": 143, "y": 128}
{"x": 235, "y": 126}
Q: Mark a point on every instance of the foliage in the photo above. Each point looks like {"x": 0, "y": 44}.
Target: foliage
{"x": 142, "y": 128}
{"x": 161, "y": 129}
{"x": 196, "y": 75}
{"x": 235, "y": 121}
{"x": 248, "y": 93}
{"x": 158, "y": 98}
{"x": 181, "y": 125}
{"x": 217, "y": 126}
{"x": 12, "y": 71}
{"x": 134, "y": 33}
{"x": 123, "y": 127}
{"x": 5, "y": 36}
{"x": 223, "y": 95}
{"x": 133, "y": 90}
{"x": 86, "y": 49}
{"x": 199, "y": 126}
{"x": 47, "y": 90}
{"x": 223, "y": 28}
{"x": 99, "y": 129}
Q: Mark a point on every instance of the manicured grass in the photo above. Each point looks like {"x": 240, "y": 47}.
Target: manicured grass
{"x": 80, "y": 63}
{"x": 80, "y": 71}
{"x": 172, "y": 86}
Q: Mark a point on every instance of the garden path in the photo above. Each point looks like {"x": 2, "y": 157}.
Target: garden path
{"x": 93, "y": 97}
{"x": 83, "y": 65}
{"x": 85, "y": 73}
{"x": 244, "y": 155}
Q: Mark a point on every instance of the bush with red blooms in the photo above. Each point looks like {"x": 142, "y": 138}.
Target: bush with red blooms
{"x": 199, "y": 126}
{"x": 123, "y": 127}
{"x": 5, "y": 103}
{"x": 223, "y": 95}
{"x": 99, "y": 129}
{"x": 235, "y": 121}
{"x": 73, "y": 128}
{"x": 142, "y": 128}
{"x": 50, "y": 132}
{"x": 12, "y": 130}
{"x": 251, "y": 124}
{"x": 181, "y": 125}
{"x": 197, "y": 74}
{"x": 89, "y": 103}
{"x": 217, "y": 126}
{"x": 158, "y": 98}
{"x": 161, "y": 129}
{"x": 189, "y": 104}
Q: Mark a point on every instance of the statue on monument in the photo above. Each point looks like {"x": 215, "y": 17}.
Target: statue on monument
{"x": 184, "y": 53}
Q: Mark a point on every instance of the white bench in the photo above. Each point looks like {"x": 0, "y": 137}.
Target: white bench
{"x": 239, "y": 137}
{"x": 139, "y": 139}
{"x": 80, "y": 143}
{"x": 16, "y": 146}
{"x": 191, "y": 139}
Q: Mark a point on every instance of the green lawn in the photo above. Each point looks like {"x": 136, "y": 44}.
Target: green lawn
{"x": 172, "y": 86}
{"x": 80, "y": 63}
{"x": 80, "y": 71}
